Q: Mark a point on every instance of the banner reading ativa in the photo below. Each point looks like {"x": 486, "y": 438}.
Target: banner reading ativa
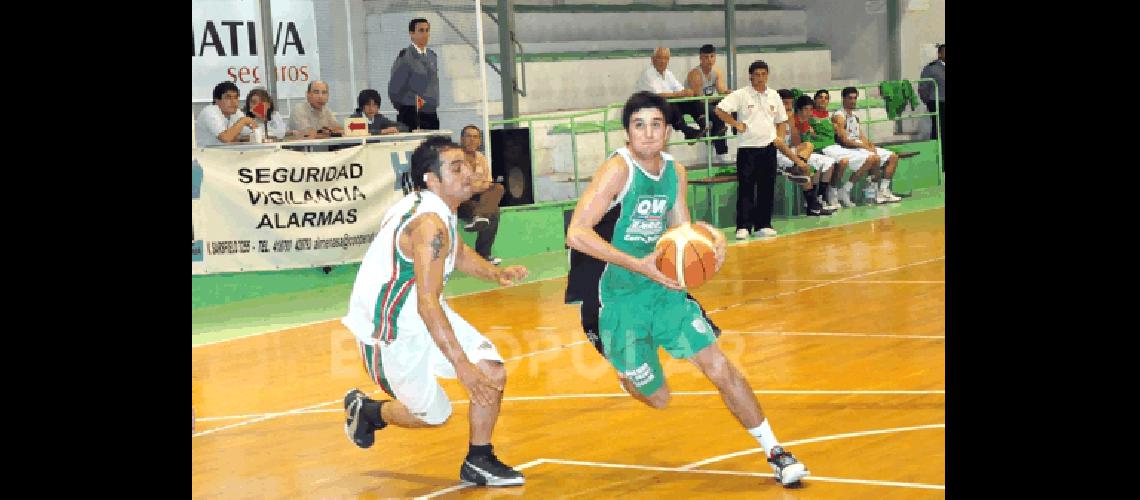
{"x": 226, "y": 38}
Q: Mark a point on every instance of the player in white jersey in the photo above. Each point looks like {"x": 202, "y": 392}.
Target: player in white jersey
{"x": 863, "y": 155}
{"x": 406, "y": 332}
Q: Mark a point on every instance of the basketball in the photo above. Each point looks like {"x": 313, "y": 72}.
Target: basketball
{"x": 688, "y": 255}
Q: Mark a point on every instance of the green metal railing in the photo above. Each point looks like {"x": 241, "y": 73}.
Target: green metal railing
{"x": 529, "y": 120}
{"x": 868, "y": 121}
{"x": 605, "y": 112}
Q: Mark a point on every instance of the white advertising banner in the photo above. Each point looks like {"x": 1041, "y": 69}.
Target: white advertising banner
{"x": 227, "y": 46}
{"x": 280, "y": 209}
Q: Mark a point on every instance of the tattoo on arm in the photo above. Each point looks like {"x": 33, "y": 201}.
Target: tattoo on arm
{"x": 436, "y": 245}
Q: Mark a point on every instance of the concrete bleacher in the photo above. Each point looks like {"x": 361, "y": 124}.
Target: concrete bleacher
{"x": 582, "y": 55}
{"x": 638, "y": 26}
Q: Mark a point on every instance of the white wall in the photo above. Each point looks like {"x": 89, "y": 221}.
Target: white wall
{"x": 857, "y": 39}
{"x": 922, "y": 28}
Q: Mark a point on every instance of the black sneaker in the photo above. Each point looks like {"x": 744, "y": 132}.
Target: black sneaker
{"x": 691, "y": 133}
{"x": 477, "y": 224}
{"x": 816, "y": 209}
{"x": 788, "y": 470}
{"x": 487, "y": 470}
{"x": 356, "y": 427}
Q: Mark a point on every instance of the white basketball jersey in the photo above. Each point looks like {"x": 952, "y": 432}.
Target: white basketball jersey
{"x": 386, "y": 280}
{"x": 852, "y": 123}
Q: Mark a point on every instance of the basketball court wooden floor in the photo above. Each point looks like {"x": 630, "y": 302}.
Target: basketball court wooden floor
{"x": 841, "y": 332}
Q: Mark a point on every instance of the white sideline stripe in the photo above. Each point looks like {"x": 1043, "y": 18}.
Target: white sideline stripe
{"x": 552, "y": 397}
{"x": 564, "y": 276}
{"x": 267, "y": 416}
{"x": 690, "y": 468}
{"x": 873, "y": 282}
{"x": 338, "y": 317}
{"x": 563, "y": 346}
{"x": 465, "y": 484}
{"x": 824, "y": 479}
{"x": 263, "y": 418}
{"x": 741, "y": 453}
{"x": 834, "y": 334}
{"x": 826, "y": 283}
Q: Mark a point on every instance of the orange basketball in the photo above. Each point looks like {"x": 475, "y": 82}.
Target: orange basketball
{"x": 688, "y": 255}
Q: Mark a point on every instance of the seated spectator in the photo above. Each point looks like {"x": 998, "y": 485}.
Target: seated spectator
{"x": 220, "y": 122}
{"x": 862, "y": 154}
{"x": 368, "y": 107}
{"x": 821, "y": 134}
{"x": 708, "y": 80}
{"x": 313, "y": 118}
{"x": 483, "y": 208}
{"x": 822, "y": 99}
{"x": 659, "y": 80}
{"x": 816, "y": 165}
{"x": 274, "y": 124}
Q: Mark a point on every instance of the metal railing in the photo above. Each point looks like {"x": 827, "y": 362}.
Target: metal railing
{"x": 529, "y": 120}
{"x": 605, "y": 112}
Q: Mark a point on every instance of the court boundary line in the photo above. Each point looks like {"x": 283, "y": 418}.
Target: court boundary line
{"x": 870, "y": 282}
{"x": 775, "y": 333}
{"x": 587, "y": 395}
{"x": 337, "y": 318}
{"x": 892, "y": 430}
{"x": 261, "y": 417}
{"x": 826, "y": 283}
{"x": 691, "y": 468}
{"x": 730, "y": 242}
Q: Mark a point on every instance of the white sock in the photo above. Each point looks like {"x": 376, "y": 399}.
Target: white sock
{"x": 847, "y": 186}
{"x": 885, "y": 185}
{"x": 764, "y": 435}
{"x": 832, "y": 194}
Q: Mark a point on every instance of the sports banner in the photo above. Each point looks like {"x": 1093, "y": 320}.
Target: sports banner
{"x": 227, "y": 40}
{"x": 281, "y": 209}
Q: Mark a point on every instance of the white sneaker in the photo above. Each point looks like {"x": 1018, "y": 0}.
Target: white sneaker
{"x": 829, "y": 205}
{"x": 887, "y": 195}
{"x": 845, "y": 198}
{"x": 725, "y": 158}
{"x": 741, "y": 234}
{"x": 765, "y": 232}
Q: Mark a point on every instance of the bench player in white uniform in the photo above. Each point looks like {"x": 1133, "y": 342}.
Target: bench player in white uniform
{"x": 407, "y": 333}
{"x": 819, "y": 163}
{"x": 855, "y": 147}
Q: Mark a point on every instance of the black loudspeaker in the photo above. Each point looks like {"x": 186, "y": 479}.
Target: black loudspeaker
{"x": 510, "y": 165}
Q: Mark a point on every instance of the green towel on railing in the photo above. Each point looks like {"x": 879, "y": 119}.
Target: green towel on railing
{"x": 796, "y": 93}
{"x": 897, "y": 93}
{"x": 824, "y": 135}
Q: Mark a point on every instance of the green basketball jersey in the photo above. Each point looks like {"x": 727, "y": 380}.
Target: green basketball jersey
{"x": 634, "y": 222}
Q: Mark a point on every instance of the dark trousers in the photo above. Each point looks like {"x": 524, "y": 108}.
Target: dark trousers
{"x": 696, "y": 109}
{"x": 938, "y": 123}
{"x": 425, "y": 121}
{"x": 485, "y": 204}
{"x": 755, "y": 185}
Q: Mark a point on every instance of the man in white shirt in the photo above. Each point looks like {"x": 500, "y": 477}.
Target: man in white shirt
{"x": 659, "y": 80}
{"x": 762, "y": 125}
{"x": 220, "y": 123}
